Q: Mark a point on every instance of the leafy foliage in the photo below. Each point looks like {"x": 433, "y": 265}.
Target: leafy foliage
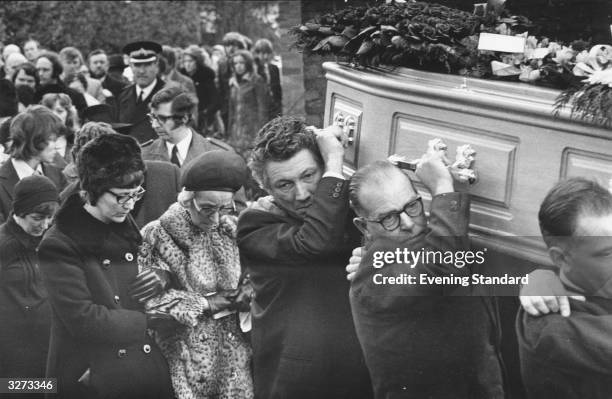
{"x": 412, "y": 34}
{"x": 106, "y": 24}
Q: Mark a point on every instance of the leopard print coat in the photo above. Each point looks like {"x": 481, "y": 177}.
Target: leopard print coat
{"x": 208, "y": 358}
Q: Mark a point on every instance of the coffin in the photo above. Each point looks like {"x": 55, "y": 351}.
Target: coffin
{"x": 522, "y": 149}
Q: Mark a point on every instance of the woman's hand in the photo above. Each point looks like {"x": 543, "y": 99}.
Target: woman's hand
{"x": 148, "y": 284}
{"x": 218, "y": 302}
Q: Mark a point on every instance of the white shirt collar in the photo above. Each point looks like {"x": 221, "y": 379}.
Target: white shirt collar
{"x": 25, "y": 170}
{"x": 146, "y": 91}
{"x": 183, "y": 147}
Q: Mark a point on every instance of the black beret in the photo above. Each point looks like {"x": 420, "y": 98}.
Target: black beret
{"x": 143, "y": 51}
{"x": 215, "y": 171}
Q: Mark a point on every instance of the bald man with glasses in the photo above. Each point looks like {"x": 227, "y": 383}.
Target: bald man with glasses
{"x": 420, "y": 340}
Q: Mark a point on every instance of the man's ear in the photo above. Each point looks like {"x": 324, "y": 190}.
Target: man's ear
{"x": 558, "y": 256}
{"x": 361, "y": 225}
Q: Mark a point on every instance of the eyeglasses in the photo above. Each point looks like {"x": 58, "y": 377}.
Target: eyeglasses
{"x": 163, "y": 118}
{"x": 211, "y": 210}
{"x": 391, "y": 221}
{"x": 123, "y": 199}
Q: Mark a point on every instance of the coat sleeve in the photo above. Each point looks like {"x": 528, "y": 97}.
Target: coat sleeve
{"x": 16, "y": 273}
{"x": 580, "y": 342}
{"x": 276, "y": 239}
{"x": 72, "y": 300}
{"x": 262, "y": 100}
{"x": 186, "y": 307}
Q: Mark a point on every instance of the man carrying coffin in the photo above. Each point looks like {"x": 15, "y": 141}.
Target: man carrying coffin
{"x": 420, "y": 339}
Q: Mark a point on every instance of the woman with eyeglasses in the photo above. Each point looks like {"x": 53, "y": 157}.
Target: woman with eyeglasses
{"x": 101, "y": 345}
{"x": 190, "y": 271}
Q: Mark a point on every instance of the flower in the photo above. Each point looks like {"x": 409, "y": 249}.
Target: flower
{"x": 603, "y": 77}
{"x": 528, "y": 74}
{"x": 553, "y": 47}
{"x": 564, "y": 56}
{"x": 582, "y": 56}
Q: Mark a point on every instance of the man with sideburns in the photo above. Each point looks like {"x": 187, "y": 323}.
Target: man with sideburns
{"x": 294, "y": 244}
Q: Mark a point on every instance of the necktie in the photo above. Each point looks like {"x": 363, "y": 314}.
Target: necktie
{"x": 174, "y": 158}
{"x": 140, "y": 97}
{"x": 267, "y": 73}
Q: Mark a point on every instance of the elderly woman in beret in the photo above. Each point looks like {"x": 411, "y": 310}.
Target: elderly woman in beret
{"x": 100, "y": 343}
{"x": 192, "y": 250}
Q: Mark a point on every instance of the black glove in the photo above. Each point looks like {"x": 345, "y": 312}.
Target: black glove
{"x": 219, "y": 302}
{"x": 241, "y": 301}
{"x": 149, "y": 283}
{"x": 161, "y": 322}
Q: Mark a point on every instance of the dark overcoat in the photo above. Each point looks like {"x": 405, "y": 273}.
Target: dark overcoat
{"x": 425, "y": 340}
{"x": 113, "y": 85}
{"x": 87, "y": 266}
{"x": 129, "y": 110}
{"x": 275, "y": 90}
{"x": 567, "y": 357}
{"x": 25, "y": 314}
{"x": 9, "y": 177}
{"x": 304, "y": 342}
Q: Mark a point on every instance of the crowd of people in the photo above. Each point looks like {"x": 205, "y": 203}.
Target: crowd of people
{"x": 235, "y": 86}
{"x": 174, "y": 237}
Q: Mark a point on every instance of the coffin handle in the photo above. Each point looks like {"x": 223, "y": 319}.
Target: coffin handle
{"x": 348, "y": 123}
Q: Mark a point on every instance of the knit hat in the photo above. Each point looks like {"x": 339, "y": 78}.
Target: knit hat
{"x": 32, "y": 191}
{"x": 215, "y": 171}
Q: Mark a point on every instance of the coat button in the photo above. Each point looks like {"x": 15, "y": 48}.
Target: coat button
{"x": 106, "y": 263}
{"x": 27, "y": 308}
{"x": 129, "y": 257}
{"x": 335, "y": 195}
{"x": 121, "y": 353}
{"x": 116, "y": 298}
{"x": 146, "y": 348}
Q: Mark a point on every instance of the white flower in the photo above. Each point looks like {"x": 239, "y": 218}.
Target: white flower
{"x": 564, "y": 55}
{"x": 528, "y": 74}
{"x": 601, "y": 77}
{"x": 553, "y": 47}
{"x": 582, "y": 56}
{"x": 600, "y": 56}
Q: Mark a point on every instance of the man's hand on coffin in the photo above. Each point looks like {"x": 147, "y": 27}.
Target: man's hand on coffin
{"x": 434, "y": 174}
{"x": 330, "y": 145}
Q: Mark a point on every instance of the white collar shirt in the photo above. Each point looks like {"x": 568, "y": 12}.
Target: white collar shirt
{"x": 25, "y": 170}
{"x": 146, "y": 91}
{"x": 182, "y": 146}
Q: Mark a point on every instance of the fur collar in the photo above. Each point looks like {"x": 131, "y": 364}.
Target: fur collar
{"x": 177, "y": 222}
{"x": 88, "y": 232}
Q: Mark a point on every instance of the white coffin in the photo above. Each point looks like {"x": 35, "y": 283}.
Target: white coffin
{"x": 522, "y": 149}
